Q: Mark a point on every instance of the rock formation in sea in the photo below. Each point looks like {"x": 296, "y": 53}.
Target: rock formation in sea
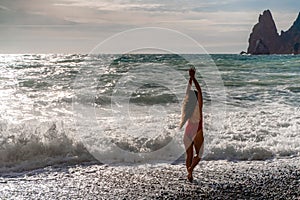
{"x": 265, "y": 39}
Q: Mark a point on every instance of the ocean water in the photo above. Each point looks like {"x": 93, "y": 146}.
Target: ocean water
{"x": 126, "y": 108}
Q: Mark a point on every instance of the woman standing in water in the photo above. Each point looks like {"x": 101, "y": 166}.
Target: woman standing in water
{"x": 192, "y": 114}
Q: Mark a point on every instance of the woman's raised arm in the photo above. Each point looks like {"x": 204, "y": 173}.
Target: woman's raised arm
{"x": 200, "y": 98}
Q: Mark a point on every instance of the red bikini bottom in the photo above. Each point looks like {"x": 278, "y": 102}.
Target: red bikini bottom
{"x": 191, "y": 129}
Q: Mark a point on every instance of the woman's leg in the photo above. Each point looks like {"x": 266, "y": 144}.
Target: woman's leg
{"x": 188, "y": 143}
{"x": 189, "y": 151}
{"x": 199, "y": 145}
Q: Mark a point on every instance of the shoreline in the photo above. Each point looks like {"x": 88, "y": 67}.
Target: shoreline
{"x": 271, "y": 179}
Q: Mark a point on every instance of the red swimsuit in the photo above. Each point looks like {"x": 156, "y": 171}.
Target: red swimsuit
{"x": 191, "y": 129}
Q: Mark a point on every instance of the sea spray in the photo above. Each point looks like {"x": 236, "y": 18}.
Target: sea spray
{"x": 31, "y": 145}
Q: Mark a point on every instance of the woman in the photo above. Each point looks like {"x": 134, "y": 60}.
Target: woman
{"x": 192, "y": 114}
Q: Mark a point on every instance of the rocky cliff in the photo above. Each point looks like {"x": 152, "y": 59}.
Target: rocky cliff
{"x": 265, "y": 39}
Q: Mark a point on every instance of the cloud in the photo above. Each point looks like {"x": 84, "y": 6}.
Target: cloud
{"x": 3, "y": 8}
{"x": 21, "y": 18}
{"x": 247, "y": 5}
{"x": 109, "y": 5}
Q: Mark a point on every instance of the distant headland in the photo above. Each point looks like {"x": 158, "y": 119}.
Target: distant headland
{"x": 265, "y": 39}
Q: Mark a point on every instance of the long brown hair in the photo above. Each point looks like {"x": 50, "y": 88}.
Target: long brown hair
{"x": 188, "y": 106}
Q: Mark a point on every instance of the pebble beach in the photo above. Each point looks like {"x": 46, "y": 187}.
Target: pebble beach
{"x": 271, "y": 179}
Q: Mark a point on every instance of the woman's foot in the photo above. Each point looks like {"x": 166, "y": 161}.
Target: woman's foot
{"x": 190, "y": 174}
{"x": 196, "y": 160}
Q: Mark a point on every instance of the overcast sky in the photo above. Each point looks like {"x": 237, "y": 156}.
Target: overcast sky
{"x": 77, "y": 26}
